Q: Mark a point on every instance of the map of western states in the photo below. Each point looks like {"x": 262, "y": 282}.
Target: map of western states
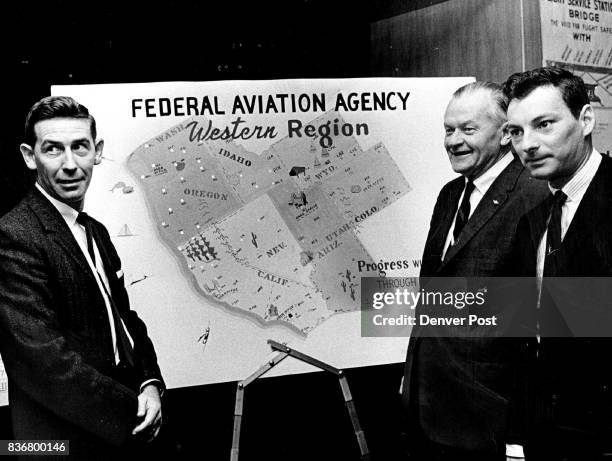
{"x": 273, "y": 236}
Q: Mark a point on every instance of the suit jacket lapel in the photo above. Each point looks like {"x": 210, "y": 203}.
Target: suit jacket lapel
{"x": 537, "y": 220}
{"x": 53, "y": 223}
{"x": 448, "y": 215}
{"x": 442, "y": 222}
{"x": 492, "y": 201}
{"x": 596, "y": 204}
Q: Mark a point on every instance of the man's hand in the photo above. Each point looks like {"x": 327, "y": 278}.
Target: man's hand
{"x": 149, "y": 408}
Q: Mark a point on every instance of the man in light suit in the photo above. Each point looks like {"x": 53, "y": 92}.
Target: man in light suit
{"x": 566, "y": 246}
{"x": 80, "y": 364}
{"x": 457, "y": 391}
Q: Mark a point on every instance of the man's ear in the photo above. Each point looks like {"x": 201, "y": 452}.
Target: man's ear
{"x": 28, "y": 155}
{"x": 587, "y": 118}
{"x": 99, "y": 149}
{"x": 505, "y": 139}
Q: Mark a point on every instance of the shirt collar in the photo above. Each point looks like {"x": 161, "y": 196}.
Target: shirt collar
{"x": 68, "y": 213}
{"x": 578, "y": 184}
{"x": 484, "y": 181}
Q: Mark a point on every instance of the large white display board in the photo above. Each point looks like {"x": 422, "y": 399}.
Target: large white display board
{"x": 263, "y": 228}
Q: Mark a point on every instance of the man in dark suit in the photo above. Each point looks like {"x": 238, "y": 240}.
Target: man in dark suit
{"x": 80, "y": 364}
{"x": 457, "y": 390}
{"x": 566, "y": 246}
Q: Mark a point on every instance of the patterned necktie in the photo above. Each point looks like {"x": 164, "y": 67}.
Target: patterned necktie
{"x": 124, "y": 347}
{"x": 553, "y": 234}
{"x": 464, "y": 211}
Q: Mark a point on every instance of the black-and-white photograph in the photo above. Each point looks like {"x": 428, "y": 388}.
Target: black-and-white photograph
{"x": 307, "y": 230}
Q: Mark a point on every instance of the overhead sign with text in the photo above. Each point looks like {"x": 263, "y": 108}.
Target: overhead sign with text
{"x": 577, "y": 32}
{"x": 602, "y": 135}
{"x": 250, "y": 210}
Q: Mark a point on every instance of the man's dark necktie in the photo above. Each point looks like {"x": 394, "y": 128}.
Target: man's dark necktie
{"x": 553, "y": 234}
{"x": 463, "y": 213}
{"x": 124, "y": 347}
{"x": 551, "y": 318}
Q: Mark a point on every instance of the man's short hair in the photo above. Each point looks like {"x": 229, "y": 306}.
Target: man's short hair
{"x": 572, "y": 87}
{"x": 56, "y": 107}
{"x": 496, "y": 91}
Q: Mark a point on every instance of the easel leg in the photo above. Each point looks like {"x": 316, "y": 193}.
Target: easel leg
{"x": 350, "y": 406}
{"x": 237, "y": 422}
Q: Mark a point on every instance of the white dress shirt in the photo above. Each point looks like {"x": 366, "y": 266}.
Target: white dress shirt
{"x": 481, "y": 185}
{"x": 575, "y": 190}
{"x": 78, "y": 231}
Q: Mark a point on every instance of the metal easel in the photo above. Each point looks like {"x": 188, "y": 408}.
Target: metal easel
{"x": 284, "y": 352}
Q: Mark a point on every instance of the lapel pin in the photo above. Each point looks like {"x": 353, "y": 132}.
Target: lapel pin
{"x": 495, "y": 202}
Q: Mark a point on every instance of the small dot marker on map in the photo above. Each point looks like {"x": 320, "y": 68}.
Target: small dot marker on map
{"x": 164, "y": 224}
{"x": 142, "y": 176}
{"x": 212, "y": 176}
{"x": 164, "y": 191}
{"x": 240, "y": 175}
{"x": 170, "y": 211}
{"x": 153, "y": 165}
{"x": 256, "y": 186}
{"x": 180, "y": 248}
{"x": 182, "y": 202}
{"x": 182, "y": 179}
{"x": 183, "y": 150}
{"x": 199, "y": 160}
{"x": 181, "y": 232}
{"x": 202, "y": 168}
{"x": 171, "y": 149}
{"x": 197, "y": 226}
{"x": 191, "y": 267}
{"x": 147, "y": 145}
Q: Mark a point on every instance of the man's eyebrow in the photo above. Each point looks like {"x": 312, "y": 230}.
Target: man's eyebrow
{"x": 46, "y": 142}
{"x": 534, "y": 120}
{"x": 53, "y": 142}
{"x": 81, "y": 140}
{"x": 462, "y": 124}
{"x": 540, "y": 117}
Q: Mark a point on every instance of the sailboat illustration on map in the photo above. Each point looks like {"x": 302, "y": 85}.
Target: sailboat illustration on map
{"x": 125, "y": 231}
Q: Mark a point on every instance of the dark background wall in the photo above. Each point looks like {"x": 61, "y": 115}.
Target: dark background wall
{"x": 487, "y": 39}
{"x": 73, "y": 42}
{"x": 66, "y": 42}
